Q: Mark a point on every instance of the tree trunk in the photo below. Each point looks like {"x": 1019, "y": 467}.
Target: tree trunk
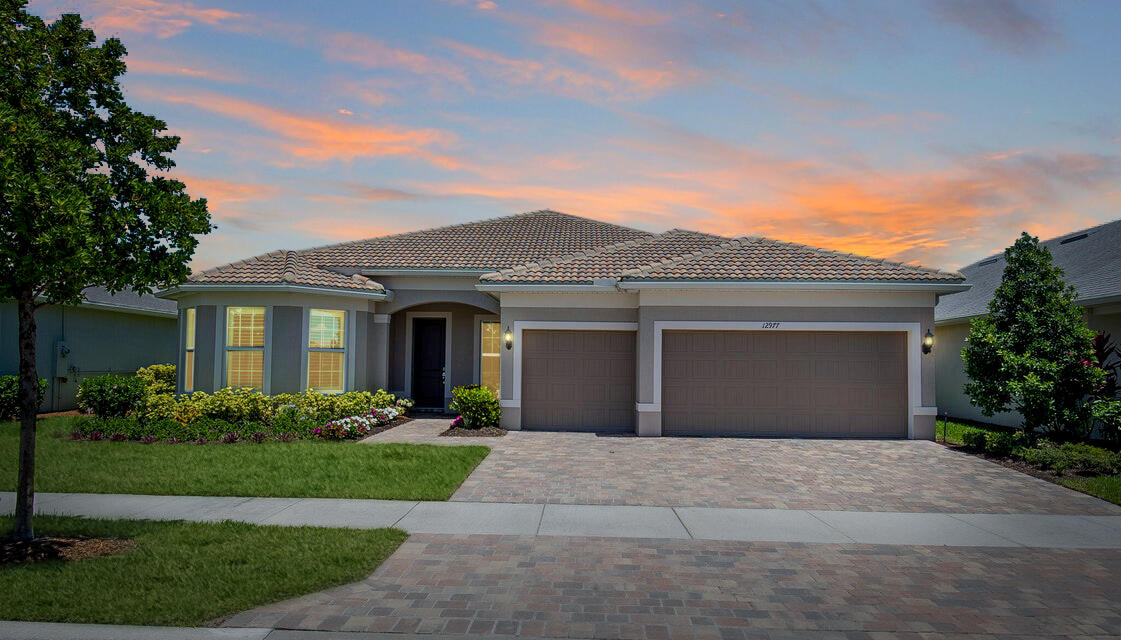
{"x": 28, "y": 408}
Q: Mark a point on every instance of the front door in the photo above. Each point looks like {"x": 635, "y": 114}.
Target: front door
{"x": 429, "y": 364}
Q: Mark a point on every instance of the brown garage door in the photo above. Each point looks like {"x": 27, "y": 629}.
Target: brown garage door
{"x": 785, "y": 383}
{"x": 578, "y": 380}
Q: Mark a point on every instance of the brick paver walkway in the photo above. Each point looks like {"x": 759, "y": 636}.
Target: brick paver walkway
{"x": 633, "y": 588}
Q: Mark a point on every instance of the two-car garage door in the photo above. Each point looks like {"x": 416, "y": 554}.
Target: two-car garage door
{"x": 764, "y": 383}
{"x": 784, "y": 383}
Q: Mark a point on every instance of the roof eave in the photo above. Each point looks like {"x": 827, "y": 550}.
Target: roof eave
{"x": 796, "y": 285}
{"x": 546, "y": 287}
{"x": 475, "y": 273}
{"x": 196, "y": 287}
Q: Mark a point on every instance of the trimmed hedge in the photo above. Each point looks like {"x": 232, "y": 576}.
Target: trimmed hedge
{"x": 111, "y": 396}
{"x": 477, "y": 405}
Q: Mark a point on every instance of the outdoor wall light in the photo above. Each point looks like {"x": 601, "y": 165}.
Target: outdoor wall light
{"x": 508, "y": 338}
{"x": 927, "y": 342}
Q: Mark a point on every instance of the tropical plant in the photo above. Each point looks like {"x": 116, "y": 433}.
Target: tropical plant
{"x": 1033, "y": 351}
{"x": 78, "y": 207}
{"x": 158, "y": 378}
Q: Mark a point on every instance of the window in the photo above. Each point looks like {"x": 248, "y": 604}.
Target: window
{"x": 189, "y": 352}
{"x": 490, "y": 367}
{"x": 245, "y": 346}
{"x": 326, "y": 355}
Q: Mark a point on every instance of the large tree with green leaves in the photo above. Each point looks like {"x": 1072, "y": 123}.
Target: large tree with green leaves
{"x": 1032, "y": 352}
{"x": 78, "y": 207}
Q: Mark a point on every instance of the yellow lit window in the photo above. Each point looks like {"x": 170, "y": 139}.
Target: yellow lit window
{"x": 490, "y": 368}
{"x": 245, "y": 346}
{"x": 189, "y": 352}
{"x": 326, "y": 358}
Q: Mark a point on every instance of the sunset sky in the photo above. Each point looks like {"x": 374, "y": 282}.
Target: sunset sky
{"x": 921, "y": 131}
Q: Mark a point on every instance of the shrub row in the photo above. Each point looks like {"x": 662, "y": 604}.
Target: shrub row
{"x": 9, "y": 396}
{"x": 1060, "y": 458}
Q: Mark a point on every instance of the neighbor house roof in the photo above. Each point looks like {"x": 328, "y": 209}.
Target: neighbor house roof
{"x": 128, "y": 301}
{"x": 550, "y": 247}
{"x": 689, "y": 255}
{"x": 1090, "y": 260}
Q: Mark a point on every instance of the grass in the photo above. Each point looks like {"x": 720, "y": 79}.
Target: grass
{"x": 1104, "y": 487}
{"x": 185, "y": 573}
{"x": 953, "y": 430}
{"x": 277, "y": 469}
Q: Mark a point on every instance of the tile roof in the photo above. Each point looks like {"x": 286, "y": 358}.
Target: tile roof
{"x": 129, "y": 300}
{"x": 752, "y": 258}
{"x": 283, "y": 267}
{"x": 552, "y": 247}
{"x": 485, "y": 245}
{"x": 1090, "y": 260}
{"x": 610, "y": 261}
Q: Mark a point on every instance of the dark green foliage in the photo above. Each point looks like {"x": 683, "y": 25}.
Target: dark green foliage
{"x": 1032, "y": 352}
{"x": 9, "y": 396}
{"x": 111, "y": 396}
{"x": 1078, "y": 457}
{"x": 1002, "y": 443}
{"x": 478, "y": 406}
{"x": 974, "y": 439}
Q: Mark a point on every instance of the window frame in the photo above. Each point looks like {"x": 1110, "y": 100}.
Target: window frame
{"x": 190, "y": 347}
{"x": 344, "y": 349}
{"x": 477, "y": 350}
{"x": 264, "y": 348}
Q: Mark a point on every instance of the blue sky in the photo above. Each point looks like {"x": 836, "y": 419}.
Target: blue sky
{"x": 930, "y": 131}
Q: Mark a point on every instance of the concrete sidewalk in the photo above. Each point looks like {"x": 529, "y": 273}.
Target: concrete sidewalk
{"x": 701, "y": 523}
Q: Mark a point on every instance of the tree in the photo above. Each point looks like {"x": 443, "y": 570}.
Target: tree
{"x": 1032, "y": 352}
{"x": 77, "y": 206}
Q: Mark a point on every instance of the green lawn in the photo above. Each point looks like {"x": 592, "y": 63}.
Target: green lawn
{"x": 185, "y": 573}
{"x": 953, "y": 430}
{"x": 1104, "y": 487}
{"x": 277, "y": 469}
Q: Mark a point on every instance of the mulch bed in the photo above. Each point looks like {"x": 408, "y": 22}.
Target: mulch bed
{"x": 485, "y": 432}
{"x": 386, "y": 427}
{"x": 42, "y": 549}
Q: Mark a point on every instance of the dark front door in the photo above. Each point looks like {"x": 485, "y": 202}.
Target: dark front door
{"x": 429, "y": 363}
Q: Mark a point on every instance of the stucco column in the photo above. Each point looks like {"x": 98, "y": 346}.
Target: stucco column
{"x": 377, "y": 351}
{"x": 207, "y": 341}
{"x": 648, "y": 415}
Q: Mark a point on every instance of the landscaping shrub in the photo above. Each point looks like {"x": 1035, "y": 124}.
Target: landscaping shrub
{"x": 1003, "y": 443}
{"x": 1107, "y": 413}
{"x": 974, "y": 439}
{"x": 111, "y": 396}
{"x": 158, "y": 378}
{"x": 9, "y": 396}
{"x": 1071, "y": 456}
{"x": 352, "y": 427}
{"x": 477, "y": 405}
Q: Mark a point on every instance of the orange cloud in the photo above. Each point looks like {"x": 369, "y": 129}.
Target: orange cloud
{"x": 614, "y": 12}
{"x": 161, "y": 19}
{"x": 148, "y": 66}
{"x": 367, "y": 52}
{"x": 321, "y": 139}
{"x": 533, "y": 72}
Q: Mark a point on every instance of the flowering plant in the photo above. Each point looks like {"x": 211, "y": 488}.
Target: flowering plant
{"x": 357, "y": 426}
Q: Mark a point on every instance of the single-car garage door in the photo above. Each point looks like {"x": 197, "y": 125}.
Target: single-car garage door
{"x": 785, "y": 383}
{"x": 578, "y": 380}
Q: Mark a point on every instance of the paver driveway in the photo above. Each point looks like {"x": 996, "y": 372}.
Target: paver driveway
{"x": 853, "y": 475}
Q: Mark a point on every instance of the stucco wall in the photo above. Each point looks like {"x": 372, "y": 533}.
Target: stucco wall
{"x": 100, "y": 341}
{"x": 949, "y": 341}
{"x": 464, "y": 350}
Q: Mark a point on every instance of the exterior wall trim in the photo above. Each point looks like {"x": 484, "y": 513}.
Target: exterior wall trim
{"x": 409, "y": 316}
{"x": 282, "y": 288}
{"x": 781, "y": 285}
{"x": 477, "y": 350}
{"x": 914, "y": 338}
{"x": 520, "y": 326}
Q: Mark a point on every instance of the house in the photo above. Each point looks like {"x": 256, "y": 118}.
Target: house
{"x": 1091, "y": 262}
{"x": 106, "y": 333}
{"x": 582, "y": 324}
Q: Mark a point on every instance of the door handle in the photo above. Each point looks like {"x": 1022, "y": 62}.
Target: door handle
{"x": 443, "y": 374}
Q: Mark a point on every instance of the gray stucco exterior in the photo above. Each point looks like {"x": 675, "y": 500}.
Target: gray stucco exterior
{"x": 98, "y": 339}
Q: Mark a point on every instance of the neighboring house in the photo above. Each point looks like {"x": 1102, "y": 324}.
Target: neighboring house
{"x": 106, "y": 333}
{"x": 581, "y": 324}
{"x": 1091, "y": 262}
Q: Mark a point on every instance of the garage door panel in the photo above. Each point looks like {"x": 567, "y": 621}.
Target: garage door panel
{"x": 828, "y": 384}
{"x": 578, "y": 379}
